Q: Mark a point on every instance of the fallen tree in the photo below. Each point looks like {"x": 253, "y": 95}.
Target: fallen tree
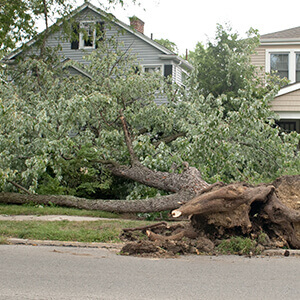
{"x": 215, "y": 211}
{"x": 62, "y": 133}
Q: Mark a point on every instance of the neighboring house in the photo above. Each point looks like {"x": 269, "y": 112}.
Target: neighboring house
{"x": 150, "y": 55}
{"x": 280, "y": 51}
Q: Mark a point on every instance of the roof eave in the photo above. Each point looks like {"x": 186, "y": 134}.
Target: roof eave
{"x": 280, "y": 41}
{"x": 184, "y": 63}
{"x": 288, "y": 89}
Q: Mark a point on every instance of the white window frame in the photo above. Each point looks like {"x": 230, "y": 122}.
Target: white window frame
{"x": 81, "y": 36}
{"x": 154, "y": 66}
{"x": 291, "y": 58}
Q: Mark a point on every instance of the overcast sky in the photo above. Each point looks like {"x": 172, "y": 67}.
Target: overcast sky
{"x": 185, "y": 22}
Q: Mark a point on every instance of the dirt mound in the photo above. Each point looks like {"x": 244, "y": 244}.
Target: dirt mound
{"x": 288, "y": 191}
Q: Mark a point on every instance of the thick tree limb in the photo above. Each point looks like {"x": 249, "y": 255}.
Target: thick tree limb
{"x": 190, "y": 179}
{"x": 120, "y": 206}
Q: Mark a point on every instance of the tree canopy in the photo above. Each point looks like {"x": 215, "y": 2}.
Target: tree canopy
{"x": 224, "y": 65}
{"x": 67, "y": 134}
{"x": 168, "y": 44}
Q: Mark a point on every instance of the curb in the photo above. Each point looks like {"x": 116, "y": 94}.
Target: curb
{"x": 115, "y": 247}
{"x": 281, "y": 252}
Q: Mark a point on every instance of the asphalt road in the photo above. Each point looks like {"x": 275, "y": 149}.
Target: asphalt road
{"x": 44, "y": 272}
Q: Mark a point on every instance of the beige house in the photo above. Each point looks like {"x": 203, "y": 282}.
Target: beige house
{"x": 280, "y": 51}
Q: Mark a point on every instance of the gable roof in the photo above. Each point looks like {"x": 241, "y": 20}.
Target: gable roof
{"x": 287, "y": 35}
{"x": 166, "y": 53}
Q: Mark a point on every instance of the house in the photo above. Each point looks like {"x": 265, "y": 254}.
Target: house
{"x": 152, "y": 56}
{"x": 280, "y": 51}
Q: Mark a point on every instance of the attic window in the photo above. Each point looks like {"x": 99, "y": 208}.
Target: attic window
{"x": 87, "y": 37}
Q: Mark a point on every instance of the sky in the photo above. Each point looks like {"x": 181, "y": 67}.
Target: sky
{"x": 186, "y": 22}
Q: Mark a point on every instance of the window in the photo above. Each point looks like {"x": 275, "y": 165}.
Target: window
{"x": 280, "y": 64}
{"x": 152, "y": 69}
{"x": 286, "y": 62}
{"x": 87, "y": 36}
{"x": 287, "y": 126}
{"x": 168, "y": 70}
{"x": 297, "y": 67}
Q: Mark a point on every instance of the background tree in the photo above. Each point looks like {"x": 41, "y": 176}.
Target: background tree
{"x": 238, "y": 129}
{"x": 224, "y": 65}
{"x": 168, "y": 44}
{"x": 18, "y": 20}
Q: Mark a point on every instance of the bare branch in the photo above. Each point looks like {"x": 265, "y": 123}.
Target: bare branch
{"x": 20, "y": 187}
{"x": 169, "y": 139}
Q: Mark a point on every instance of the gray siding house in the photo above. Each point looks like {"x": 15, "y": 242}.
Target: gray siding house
{"x": 150, "y": 55}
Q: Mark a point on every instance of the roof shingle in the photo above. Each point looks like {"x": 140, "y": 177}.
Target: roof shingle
{"x": 292, "y": 33}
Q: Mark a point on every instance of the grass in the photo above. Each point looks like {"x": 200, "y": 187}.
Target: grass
{"x": 32, "y": 209}
{"x": 94, "y": 231}
{"x": 237, "y": 245}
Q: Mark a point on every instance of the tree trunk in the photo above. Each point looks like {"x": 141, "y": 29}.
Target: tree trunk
{"x": 119, "y": 206}
{"x": 184, "y": 186}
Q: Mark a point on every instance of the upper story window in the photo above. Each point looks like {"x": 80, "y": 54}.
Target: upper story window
{"x": 297, "y": 67}
{"x": 87, "y": 34}
{"x": 285, "y": 62}
{"x": 280, "y": 64}
{"x": 87, "y": 37}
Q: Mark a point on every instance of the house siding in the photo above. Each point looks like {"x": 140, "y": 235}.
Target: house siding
{"x": 259, "y": 60}
{"x": 145, "y": 53}
{"x": 287, "y": 102}
{"x": 145, "y": 50}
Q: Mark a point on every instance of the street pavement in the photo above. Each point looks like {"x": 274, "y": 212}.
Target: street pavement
{"x": 52, "y": 272}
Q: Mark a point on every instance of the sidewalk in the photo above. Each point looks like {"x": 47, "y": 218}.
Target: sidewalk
{"x": 49, "y": 218}
{"x": 115, "y": 247}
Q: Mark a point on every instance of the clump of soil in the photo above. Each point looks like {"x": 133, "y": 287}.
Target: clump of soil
{"x": 165, "y": 246}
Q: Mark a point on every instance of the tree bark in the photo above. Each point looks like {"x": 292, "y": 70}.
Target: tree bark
{"x": 119, "y": 206}
{"x": 189, "y": 180}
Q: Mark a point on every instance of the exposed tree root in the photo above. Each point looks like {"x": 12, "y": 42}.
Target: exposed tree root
{"x": 268, "y": 214}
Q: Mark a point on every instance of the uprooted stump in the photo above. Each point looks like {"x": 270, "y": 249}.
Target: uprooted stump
{"x": 269, "y": 214}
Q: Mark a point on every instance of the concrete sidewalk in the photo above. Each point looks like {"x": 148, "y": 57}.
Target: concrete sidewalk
{"x": 115, "y": 247}
{"x": 49, "y": 218}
